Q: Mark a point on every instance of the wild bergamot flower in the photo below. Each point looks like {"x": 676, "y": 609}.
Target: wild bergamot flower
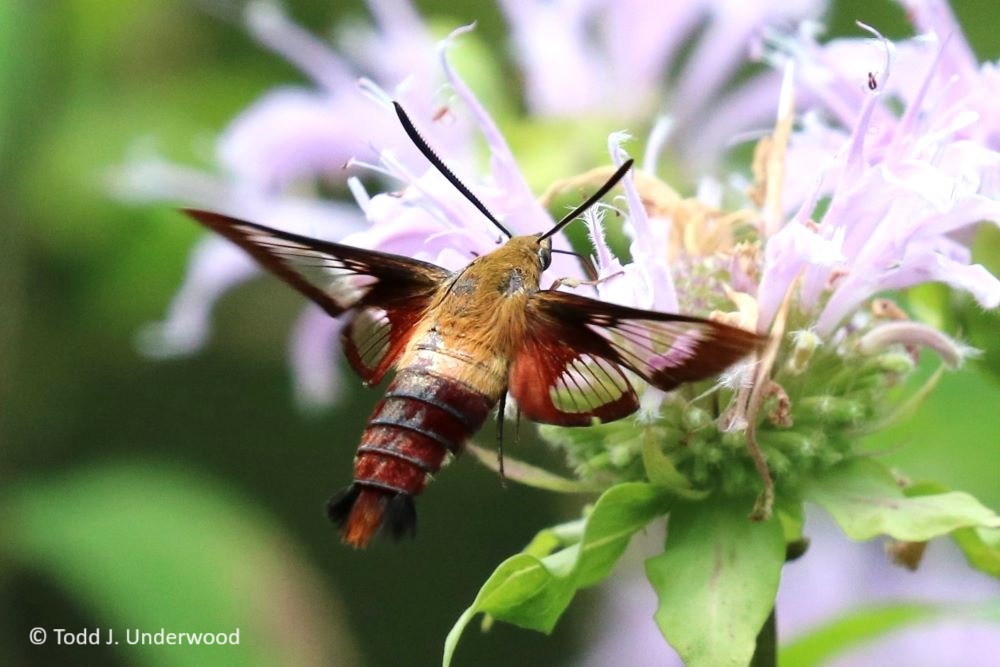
{"x": 861, "y": 189}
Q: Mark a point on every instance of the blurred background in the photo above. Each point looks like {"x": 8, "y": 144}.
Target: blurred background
{"x": 188, "y": 494}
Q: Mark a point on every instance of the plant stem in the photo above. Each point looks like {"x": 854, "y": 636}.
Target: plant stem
{"x": 766, "y": 653}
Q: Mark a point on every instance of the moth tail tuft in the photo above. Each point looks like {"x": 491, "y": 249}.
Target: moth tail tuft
{"x": 361, "y": 512}
{"x": 401, "y": 516}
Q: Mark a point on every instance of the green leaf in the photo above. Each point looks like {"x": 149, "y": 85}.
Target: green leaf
{"x": 856, "y": 628}
{"x": 950, "y": 438}
{"x": 533, "y": 592}
{"x": 981, "y": 546}
{"x": 151, "y": 547}
{"x": 550, "y": 539}
{"x": 842, "y": 634}
{"x": 791, "y": 514}
{"x": 716, "y": 581}
{"x": 864, "y": 498}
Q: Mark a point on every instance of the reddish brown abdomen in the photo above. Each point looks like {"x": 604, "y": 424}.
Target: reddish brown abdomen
{"x": 422, "y": 418}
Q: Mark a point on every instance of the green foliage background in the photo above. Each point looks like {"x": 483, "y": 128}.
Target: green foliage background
{"x": 188, "y": 494}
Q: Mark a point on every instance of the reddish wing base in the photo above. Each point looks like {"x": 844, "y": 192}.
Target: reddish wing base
{"x": 575, "y": 346}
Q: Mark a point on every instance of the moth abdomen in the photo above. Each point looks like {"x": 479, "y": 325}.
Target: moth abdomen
{"x": 422, "y": 418}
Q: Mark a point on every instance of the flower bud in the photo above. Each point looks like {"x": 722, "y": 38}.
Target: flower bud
{"x": 895, "y": 362}
{"x": 831, "y": 410}
{"x": 794, "y": 443}
{"x": 696, "y": 418}
{"x": 804, "y": 344}
{"x": 733, "y": 440}
{"x": 622, "y": 455}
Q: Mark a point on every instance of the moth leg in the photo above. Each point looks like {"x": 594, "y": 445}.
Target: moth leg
{"x": 576, "y": 282}
{"x": 501, "y": 409}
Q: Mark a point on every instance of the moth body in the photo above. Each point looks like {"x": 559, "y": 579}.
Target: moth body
{"x": 450, "y": 376}
{"x": 460, "y": 341}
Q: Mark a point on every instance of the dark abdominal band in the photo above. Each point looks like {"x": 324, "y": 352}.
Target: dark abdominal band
{"x": 422, "y": 418}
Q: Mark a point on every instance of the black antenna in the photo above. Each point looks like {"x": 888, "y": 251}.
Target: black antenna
{"x": 432, "y": 157}
{"x": 594, "y": 198}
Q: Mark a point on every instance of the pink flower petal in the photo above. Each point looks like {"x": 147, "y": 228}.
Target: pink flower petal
{"x": 314, "y": 355}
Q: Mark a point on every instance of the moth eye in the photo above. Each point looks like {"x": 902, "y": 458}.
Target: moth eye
{"x": 545, "y": 257}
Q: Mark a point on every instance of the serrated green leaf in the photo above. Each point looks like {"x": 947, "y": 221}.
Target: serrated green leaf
{"x": 981, "y": 546}
{"x": 846, "y": 632}
{"x": 716, "y": 581}
{"x": 548, "y": 540}
{"x": 152, "y": 547}
{"x": 865, "y": 500}
{"x": 533, "y": 593}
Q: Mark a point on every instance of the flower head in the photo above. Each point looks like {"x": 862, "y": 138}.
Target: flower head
{"x": 901, "y": 187}
{"x": 882, "y": 215}
{"x": 863, "y": 189}
{"x": 626, "y": 59}
{"x": 288, "y": 141}
{"x": 296, "y": 136}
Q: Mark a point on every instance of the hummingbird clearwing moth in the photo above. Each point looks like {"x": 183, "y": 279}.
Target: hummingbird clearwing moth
{"x": 460, "y": 341}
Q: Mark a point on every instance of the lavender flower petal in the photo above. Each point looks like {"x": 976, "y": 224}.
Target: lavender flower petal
{"x": 314, "y": 356}
{"x": 550, "y": 43}
{"x": 216, "y": 265}
{"x": 970, "y": 643}
{"x": 525, "y": 214}
{"x": 266, "y": 21}
{"x": 293, "y": 134}
{"x": 649, "y": 247}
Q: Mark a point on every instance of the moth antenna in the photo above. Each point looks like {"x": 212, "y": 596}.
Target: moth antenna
{"x": 428, "y": 152}
{"x": 593, "y": 199}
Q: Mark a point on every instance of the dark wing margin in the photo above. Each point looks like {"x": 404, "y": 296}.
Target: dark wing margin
{"x": 336, "y": 277}
{"x": 389, "y": 292}
{"x": 569, "y": 368}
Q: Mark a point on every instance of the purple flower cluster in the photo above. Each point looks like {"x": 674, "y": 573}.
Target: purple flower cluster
{"x": 884, "y": 157}
{"x": 296, "y": 136}
{"x": 899, "y": 188}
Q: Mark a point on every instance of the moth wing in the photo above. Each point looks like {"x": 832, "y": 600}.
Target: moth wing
{"x": 569, "y": 369}
{"x": 375, "y": 337}
{"x": 388, "y": 293}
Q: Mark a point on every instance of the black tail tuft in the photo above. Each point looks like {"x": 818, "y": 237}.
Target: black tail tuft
{"x": 401, "y": 516}
{"x": 399, "y": 519}
{"x": 338, "y": 508}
